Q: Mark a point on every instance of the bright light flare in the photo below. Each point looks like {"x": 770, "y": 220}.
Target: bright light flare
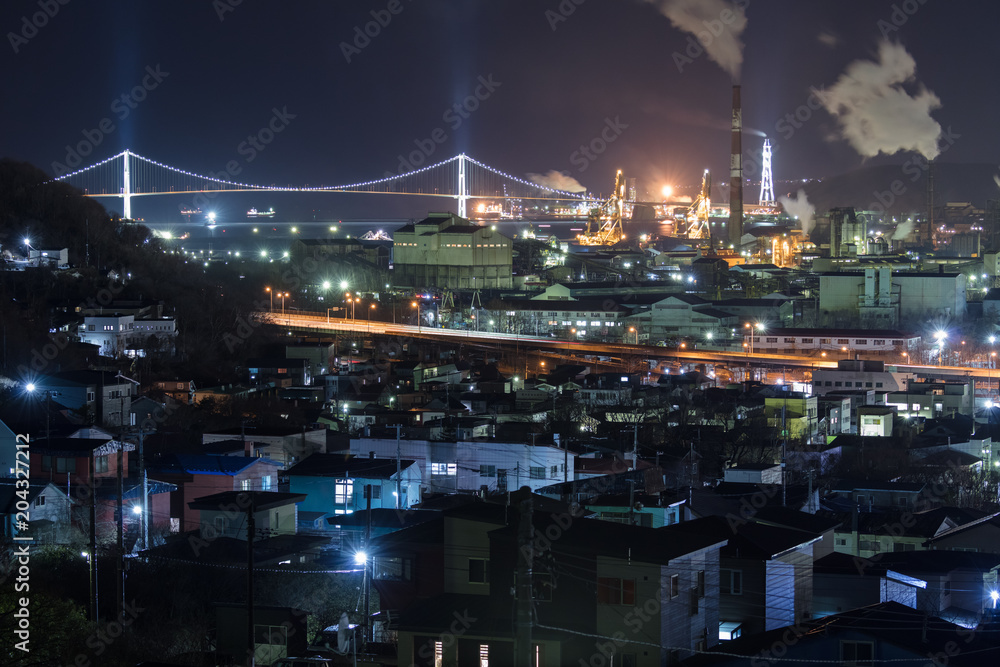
{"x": 360, "y": 557}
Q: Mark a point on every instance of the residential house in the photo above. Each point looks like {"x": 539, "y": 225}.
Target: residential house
{"x": 652, "y": 586}
{"x": 877, "y": 634}
{"x": 335, "y": 483}
{"x": 198, "y": 475}
{"x": 283, "y": 445}
{"x": 765, "y": 572}
{"x": 49, "y": 508}
{"x": 226, "y": 514}
{"x": 111, "y": 332}
{"x": 474, "y": 465}
{"x": 982, "y": 536}
{"x": 98, "y": 396}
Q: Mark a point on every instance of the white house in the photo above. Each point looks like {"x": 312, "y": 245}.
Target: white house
{"x": 450, "y": 467}
{"x": 110, "y": 332}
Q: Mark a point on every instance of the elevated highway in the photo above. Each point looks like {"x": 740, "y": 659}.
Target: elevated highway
{"x": 318, "y": 324}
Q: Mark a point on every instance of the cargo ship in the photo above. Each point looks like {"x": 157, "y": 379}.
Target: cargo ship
{"x": 254, "y": 213}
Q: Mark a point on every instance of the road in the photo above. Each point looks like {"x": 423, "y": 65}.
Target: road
{"x": 320, "y": 324}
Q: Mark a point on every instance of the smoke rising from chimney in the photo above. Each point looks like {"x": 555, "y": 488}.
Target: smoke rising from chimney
{"x": 716, "y": 24}
{"x": 903, "y": 231}
{"x": 876, "y": 113}
{"x": 557, "y": 180}
{"x": 799, "y": 207}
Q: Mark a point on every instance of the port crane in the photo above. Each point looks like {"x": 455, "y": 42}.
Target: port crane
{"x": 604, "y": 223}
{"x": 697, "y": 214}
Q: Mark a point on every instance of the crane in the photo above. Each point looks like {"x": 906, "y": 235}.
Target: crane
{"x": 698, "y": 212}
{"x": 604, "y": 223}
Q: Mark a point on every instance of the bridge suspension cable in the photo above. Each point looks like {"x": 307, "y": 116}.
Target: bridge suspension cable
{"x": 129, "y": 174}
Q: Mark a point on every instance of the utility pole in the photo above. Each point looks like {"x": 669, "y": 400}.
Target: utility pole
{"x": 93, "y": 542}
{"x": 525, "y": 563}
{"x": 368, "y": 556}
{"x": 784, "y": 468}
{"x": 635, "y": 446}
{"x": 251, "y": 529}
{"x": 399, "y": 491}
{"x": 145, "y": 493}
{"x": 120, "y": 580}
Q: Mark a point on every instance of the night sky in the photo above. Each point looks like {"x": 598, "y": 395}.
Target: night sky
{"x": 556, "y": 83}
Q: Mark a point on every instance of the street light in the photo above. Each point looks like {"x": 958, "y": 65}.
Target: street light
{"x": 271, "y": 294}
{"x": 416, "y": 304}
{"x": 371, "y": 307}
{"x": 283, "y": 295}
{"x": 632, "y": 331}
{"x": 940, "y": 336}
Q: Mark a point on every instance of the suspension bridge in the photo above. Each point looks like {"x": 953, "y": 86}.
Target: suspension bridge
{"x": 127, "y": 175}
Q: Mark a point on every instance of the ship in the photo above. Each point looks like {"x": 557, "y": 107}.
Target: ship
{"x": 254, "y": 213}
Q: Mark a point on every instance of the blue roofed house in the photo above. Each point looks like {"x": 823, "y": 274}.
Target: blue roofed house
{"x": 200, "y": 475}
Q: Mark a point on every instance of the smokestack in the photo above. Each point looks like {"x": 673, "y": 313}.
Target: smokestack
{"x": 736, "y": 174}
{"x": 930, "y": 204}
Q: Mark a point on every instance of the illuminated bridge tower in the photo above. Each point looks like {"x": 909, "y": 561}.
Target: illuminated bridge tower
{"x": 463, "y": 192}
{"x": 766, "y": 183}
{"x": 127, "y": 188}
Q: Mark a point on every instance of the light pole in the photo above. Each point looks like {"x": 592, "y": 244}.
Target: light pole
{"x": 283, "y": 295}
{"x": 270, "y": 294}
{"x": 371, "y": 307}
{"x": 632, "y": 330}
{"x": 416, "y": 304}
{"x": 992, "y": 360}
{"x": 940, "y": 336}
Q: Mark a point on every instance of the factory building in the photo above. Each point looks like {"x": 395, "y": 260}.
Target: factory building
{"x": 446, "y": 251}
{"x": 878, "y": 298}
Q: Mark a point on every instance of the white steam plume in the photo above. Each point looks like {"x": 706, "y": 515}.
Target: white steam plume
{"x": 903, "y": 231}
{"x": 876, "y": 113}
{"x": 799, "y": 207}
{"x": 557, "y": 180}
{"x": 716, "y": 24}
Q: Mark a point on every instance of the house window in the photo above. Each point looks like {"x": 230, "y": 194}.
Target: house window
{"x": 343, "y": 491}
{"x": 90, "y": 396}
{"x": 444, "y": 469}
{"x": 555, "y": 472}
{"x": 392, "y": 569}
{"x": 101, "y": 464}
{"x": 487, "y": 471}
{"x": 537, "y": 472}
{"x": 675, "y": 585}
{"x": 265, "y": 483}
{"x": 479, "y": 571}
{"x": 376, "y": 492}
{"x": 271, "y": 640}
{"x": 245, "y": 485}
{"x": 65, "y": 465}
{"x": 611, "y": 590}
{"x": 701, "y": 583}
{"x": 39, "y": 501}
{"x": 857, "y": 654}
{"x": 731, "y": 581}
{"x": 220, "y": 525}
{"x": 484, "y": 655}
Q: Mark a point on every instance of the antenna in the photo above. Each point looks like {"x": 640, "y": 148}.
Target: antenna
{"x": 766, "y": 182}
